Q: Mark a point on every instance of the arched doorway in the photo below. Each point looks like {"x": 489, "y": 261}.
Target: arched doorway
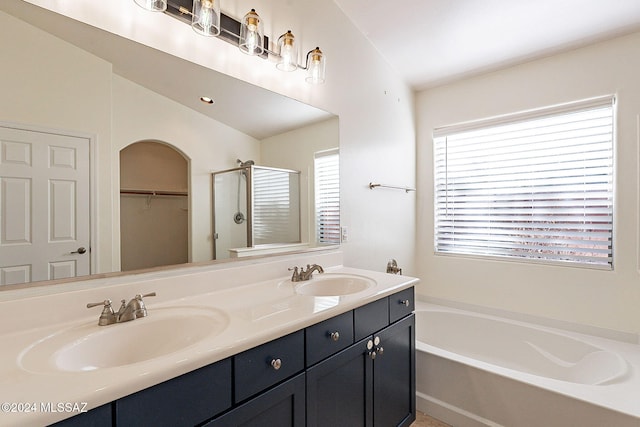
{"x": 154, "y": 217}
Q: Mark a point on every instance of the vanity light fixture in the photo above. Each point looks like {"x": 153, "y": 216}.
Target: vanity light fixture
{"x": 288, "y": 52}
{"x": 152, "y": 5}
{"x": 206, "y": 17}
{"x": 316, "y": 66}
{"x": 251, "y": 39}
{"x": 248, "y": 34}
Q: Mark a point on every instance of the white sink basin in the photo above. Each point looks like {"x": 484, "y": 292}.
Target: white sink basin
{"x": 87, "y": 347}
{"x": 334, "y": 284}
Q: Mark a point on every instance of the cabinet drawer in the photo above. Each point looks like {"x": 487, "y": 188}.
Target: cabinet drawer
{"x": 268, "y": 364}
{"x": 189, "y": 399}
{"x": 328, "y": 337}
{"x": 401, "y": 304}
{"x": 370, "y": 318}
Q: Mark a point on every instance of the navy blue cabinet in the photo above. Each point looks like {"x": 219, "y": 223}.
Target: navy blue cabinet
{"x": 187, "y": 400}
{"x": 394, "y": 387}
{"x": 281, "y": 406}
{"x": 372, "y": 382}
{"x": 270, "y": 363}
{"x": 340, "y": 389}
{"x": 354, "y": 369}
{"x": 98, "y": 417}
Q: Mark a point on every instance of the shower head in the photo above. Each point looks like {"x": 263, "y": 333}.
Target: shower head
{"x": 244, "y": 164}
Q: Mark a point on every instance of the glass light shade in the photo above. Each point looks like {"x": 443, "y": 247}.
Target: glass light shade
{"x": 288, "y": 51}
{"x": 152, "y": 5}
{"x": 206, "y": 17}
{"x": 251, "y": 34}
{"x": 316, "y": 66}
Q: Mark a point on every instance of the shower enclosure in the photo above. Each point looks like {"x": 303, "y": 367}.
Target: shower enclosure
{"x": 254, "y": 206}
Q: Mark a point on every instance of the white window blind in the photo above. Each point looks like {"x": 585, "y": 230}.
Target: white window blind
{"x": 536, "y": 187}
{"x": 327, "y": 195}
{"x": 276, "y": 207}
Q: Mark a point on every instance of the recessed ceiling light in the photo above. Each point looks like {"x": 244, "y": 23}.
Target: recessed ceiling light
{"x": 206, "y": 100}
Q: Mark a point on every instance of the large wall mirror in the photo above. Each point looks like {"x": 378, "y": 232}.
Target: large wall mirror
{"x": 64, "y": 79}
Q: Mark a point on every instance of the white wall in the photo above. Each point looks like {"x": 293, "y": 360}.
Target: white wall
{"x": 79, "y": 101}
{"x": 376, "y": 108}
{"x": 139, "y": 114}
{"x": 608, "y": 299}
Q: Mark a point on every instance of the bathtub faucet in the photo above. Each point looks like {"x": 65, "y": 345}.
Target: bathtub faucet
{"x": 392, "y": 267}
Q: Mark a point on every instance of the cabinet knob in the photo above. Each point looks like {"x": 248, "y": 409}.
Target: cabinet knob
{"x": 380, "y": 350}
{"x": 335, "y": 335}
{"x": 372, "y": 355}
{"x": 276, "y": 364}
{"x": 376, "y": 341}
{"x": 404, "y": 302}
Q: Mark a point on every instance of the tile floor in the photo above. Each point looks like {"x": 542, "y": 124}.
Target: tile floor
{"x": 423, "y": 420}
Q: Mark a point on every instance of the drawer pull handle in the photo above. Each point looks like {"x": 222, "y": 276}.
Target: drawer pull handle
{"x": 276, "y": 364}
{"x": 405, "y": 302}
{"x": 335, "y": 335}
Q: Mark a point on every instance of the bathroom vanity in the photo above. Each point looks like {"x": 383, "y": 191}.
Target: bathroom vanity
{"x": 354, "y": 369}
{"x": 337, "y": 350}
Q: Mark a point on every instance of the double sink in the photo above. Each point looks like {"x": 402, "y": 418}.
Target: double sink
{"x": 86, "y": 346}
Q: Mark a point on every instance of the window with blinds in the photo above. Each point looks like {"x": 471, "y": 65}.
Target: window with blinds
{"x": 536, "y": 186}
{"x": 327, "y": 195}
{"x": 276, "y": 206}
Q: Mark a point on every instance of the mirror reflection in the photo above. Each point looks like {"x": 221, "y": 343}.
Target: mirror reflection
{"x": 254, "y": 206}
{"x": 108, "y": 95}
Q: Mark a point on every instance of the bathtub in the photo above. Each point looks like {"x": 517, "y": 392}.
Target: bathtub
{"x": 475, "y": 369}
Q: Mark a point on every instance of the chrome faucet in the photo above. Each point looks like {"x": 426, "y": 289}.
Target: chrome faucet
{"x": 300, "y": 275}
{"x": 131, "y": 311}
{"x": 107, "y": 317}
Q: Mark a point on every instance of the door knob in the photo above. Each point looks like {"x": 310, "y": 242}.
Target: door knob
{"x": 80, "y": 250}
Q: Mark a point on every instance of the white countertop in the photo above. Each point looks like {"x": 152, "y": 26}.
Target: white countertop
{"x": 255, "y": 313}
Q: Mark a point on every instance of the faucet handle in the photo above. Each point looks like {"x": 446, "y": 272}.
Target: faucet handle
{"x": 141, "y": 309}
{"x": 295, "y": 277}
{"x": 106, "y": 303}
{"x": 107, "y": 317}
{"x": 150, "y": 294}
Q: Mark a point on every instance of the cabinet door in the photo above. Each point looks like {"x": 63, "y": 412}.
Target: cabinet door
{"x": 186, "y": 400}
{"x": 394, "y": 388}
{"x": 339, "y": 389}
{"x": 282, "y": 406}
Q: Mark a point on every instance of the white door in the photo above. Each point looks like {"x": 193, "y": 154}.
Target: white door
{"x": 44, "y": 206}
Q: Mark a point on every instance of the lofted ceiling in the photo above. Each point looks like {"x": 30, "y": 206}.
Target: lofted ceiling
{"x": 182, "y": 81}
{"x": 431, "y": 42}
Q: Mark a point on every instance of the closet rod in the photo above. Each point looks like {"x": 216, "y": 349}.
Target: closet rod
{"x": 155, "y": 192}
{"x": 395, "y": 187}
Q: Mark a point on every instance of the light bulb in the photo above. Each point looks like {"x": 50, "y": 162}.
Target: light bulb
{"x": 251, "y": 34}
{"x": 288, "y": 52}
{"x": 206, "y": 17}
{"x": 316, "y": 64}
